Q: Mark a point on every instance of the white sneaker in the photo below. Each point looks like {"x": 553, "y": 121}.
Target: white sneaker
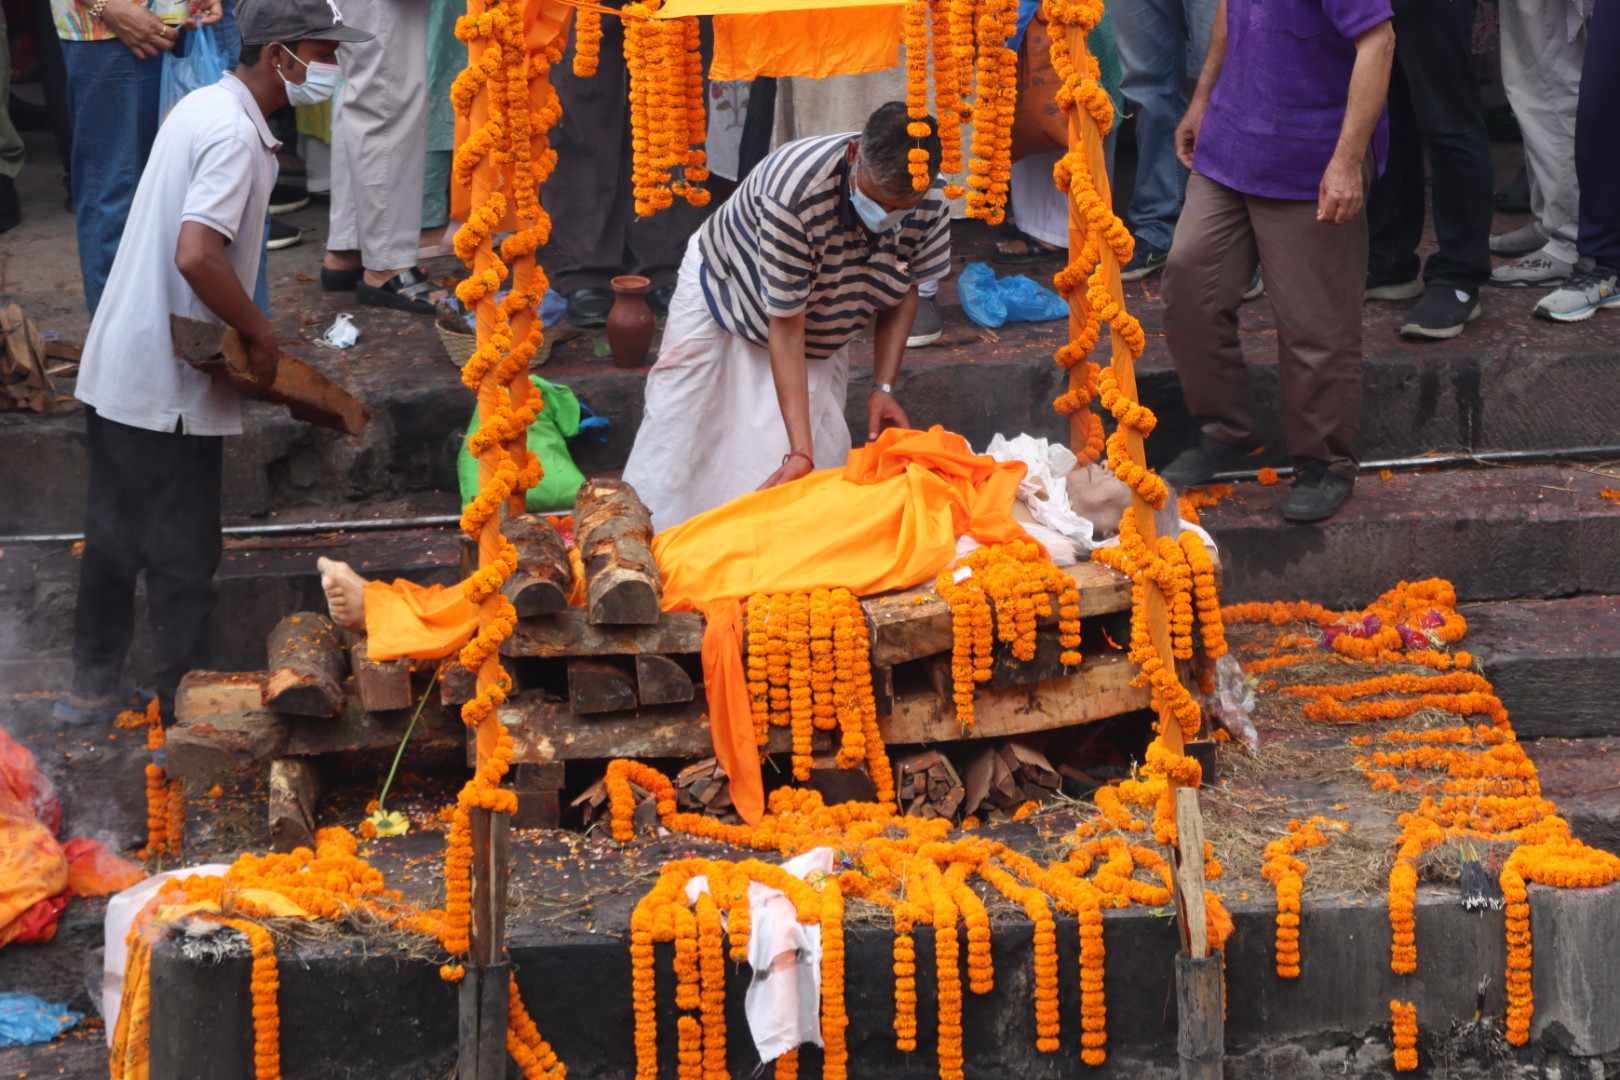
{"x": 1591, "y": 287}
{"x": 1521, "y": 241}
{"x": 929, "y": 325}
{"x": 1256, "y": 289}
{"x": 1537, "y": 269}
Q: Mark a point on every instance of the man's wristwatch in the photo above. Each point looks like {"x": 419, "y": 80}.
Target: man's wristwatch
{"x": 883, "y": 388}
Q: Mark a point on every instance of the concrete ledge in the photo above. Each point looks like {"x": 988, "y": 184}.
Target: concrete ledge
{"x": 1555, "y": 663}
{"x": 374, "y": 1015}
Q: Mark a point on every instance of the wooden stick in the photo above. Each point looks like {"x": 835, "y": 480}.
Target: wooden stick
{"x": 384, "y": 685}
{"x": 1190, "y": 872}
{"x": 295, "y": 789}
{"x": 1200, "y": 1025}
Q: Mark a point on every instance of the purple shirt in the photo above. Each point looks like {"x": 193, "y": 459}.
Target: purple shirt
{"x": 1275, "y": 114}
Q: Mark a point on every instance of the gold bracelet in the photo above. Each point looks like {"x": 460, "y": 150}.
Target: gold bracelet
{"x": 97, "y": 8}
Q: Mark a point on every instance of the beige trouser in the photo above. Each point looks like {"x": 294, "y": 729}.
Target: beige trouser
{"x": 1543, "y": 47}
{"x": 1314, "y": 275}
{"x": 379, "y": 135}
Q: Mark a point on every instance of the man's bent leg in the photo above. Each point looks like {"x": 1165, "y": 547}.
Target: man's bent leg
{"x": 183, "y": 545}
{"x": 116, "y": 508}
{"x": 1210, "y": 265}
{"x": 1541, "y": 72}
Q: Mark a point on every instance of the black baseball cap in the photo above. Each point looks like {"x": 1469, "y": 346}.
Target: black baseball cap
{"x": 264, "y": 21}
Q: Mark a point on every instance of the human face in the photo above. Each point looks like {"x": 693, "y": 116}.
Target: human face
{"x": 309, "y": 71}
{"x": 869, "y": 186}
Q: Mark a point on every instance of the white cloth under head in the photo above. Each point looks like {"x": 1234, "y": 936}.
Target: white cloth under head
{"x": 711, "y": 429}
{"x": 1038, "y": 207}
{"x": 783, "y": 1003}
{"x": 1044, "y": 491}
{"x": 121, "y": 912}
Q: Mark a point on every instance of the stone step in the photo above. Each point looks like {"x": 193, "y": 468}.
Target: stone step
{"x": 1555, "y": 663}
{"x": 1527, "y": 532}
{"x": 1583, "y": 777}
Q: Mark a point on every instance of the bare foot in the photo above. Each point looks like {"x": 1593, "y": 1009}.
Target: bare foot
{"x": 345, "y": 593}
{"x": 341, "y": 260}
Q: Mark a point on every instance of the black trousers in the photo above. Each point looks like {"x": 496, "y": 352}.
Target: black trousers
{"x": 153, "y": 505}
{"x": 1597, "y": 147}
{"x": 595, "y": 234}
{"x": 54, "y": 70}
{"x": 1434, "y": 104}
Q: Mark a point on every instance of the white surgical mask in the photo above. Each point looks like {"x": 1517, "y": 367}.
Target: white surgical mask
{"x": 320, "y": 82}
{"x": 877, "y": 219}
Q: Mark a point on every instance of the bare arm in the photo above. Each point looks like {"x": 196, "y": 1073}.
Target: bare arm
{"x": 200, "y": 257}
{"x": 888, "y": 349}
{"x": 1214, "y": 60}
{"x": 792, "y": 378}
{"x": 1341, "y": 196}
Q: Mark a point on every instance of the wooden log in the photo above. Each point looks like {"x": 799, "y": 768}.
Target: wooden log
{"x": 306, "y": 666}
{"x": 597, "y": 686}
{"x": 570, "y": 633}
{"x": 929, "y": 785}
{"x": 384, "y": 685}
{"x": 615, "y": 542}
{"x": 917, "y": 623}
{"x": 457, "y": 685}
{"x": 308, "y": 395}
{"x": 295, "y": 789}
{"x": 661, "y": 681}
{"x": 222, "y": 729}
{"x": 1189, "y": 873}
{"x": 549, "y": 731}
{"x": 1200, "y": 1023}
{"x": 840, "y": 785}
{"x": 703, "y": 788}
{"x": 544, "y": 577}
{"x": 539, "y": 794}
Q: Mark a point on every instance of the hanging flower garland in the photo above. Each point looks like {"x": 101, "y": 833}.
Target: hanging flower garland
{"x": 587, "y": 42}
{"x": 1286, "y": 872}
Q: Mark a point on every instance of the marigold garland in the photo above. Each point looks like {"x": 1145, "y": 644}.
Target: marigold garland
{"x": 165, "y": 798}
{"x": 1286, "y": 872}
{"x": 587, "y": 42}
{"x": 1403, "y": 1022}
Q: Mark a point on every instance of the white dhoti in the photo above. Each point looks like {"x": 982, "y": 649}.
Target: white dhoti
{"x": 712, "y": 429}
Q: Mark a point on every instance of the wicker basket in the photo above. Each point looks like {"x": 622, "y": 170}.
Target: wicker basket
{"x": 460, "y": 348}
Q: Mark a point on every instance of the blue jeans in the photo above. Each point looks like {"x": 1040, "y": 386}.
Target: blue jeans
{"x": 115, "y": 118}
{"x": 1161, "y": 49}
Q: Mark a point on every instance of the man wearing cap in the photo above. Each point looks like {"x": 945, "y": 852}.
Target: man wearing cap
{"x": 154, "y": 424}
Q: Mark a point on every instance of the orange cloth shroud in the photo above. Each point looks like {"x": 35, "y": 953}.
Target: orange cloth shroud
{"x": 814, "y": 44}
{"x": 888, "y": 520}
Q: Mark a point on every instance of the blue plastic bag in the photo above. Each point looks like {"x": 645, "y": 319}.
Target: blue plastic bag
{"x": 26, "y": 1020}
{"x": 202, "y": 63}
{"x": 993, "y": 302}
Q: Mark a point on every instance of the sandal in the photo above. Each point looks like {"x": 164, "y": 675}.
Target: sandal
{"x": 1020, "y": 250}
{"x": 408, "y": 290}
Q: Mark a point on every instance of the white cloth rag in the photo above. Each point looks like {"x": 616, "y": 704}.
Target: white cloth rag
{"x": 783, "y": 1003}
{"x": 121, "y": 912}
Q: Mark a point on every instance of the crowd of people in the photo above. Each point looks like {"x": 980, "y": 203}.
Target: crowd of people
{"x": 1292, "y": 147}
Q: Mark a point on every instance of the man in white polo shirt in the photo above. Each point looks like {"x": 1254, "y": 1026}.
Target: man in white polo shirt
{"x": 154, "y": 424}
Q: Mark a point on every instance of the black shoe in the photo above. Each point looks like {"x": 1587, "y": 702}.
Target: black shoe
{"x": 285, "y": 198}
{"x": 1317, "y": 494}
{"x": 1441, "y": 314}
{"x": 1197, "y": 466}
{"x": 283, "y": 235}
{"x": 336, "y": 280}
{"x": 1147, "y": 261}
{"x": 1392, "y": 286}
{"x": 588, "y": 308}
{"x": 10, "y": 205}
{"x": 658, "y": 299}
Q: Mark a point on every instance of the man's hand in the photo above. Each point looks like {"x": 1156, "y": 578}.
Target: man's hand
{"x": 263, "y": 354}
{"x": 1339, "y": 198}
{"x": 142, "y": 32}
{"x": 1187, "y": 133}
{"x": 795, "y": 466}
{"x": 882, "y": 411}
{"x": 206, "y": 12}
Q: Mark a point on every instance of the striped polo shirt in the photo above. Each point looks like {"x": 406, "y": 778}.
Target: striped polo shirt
{"x": 789, "y": 241}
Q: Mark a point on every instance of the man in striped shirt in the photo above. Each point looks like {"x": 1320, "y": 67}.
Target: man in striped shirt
{"x": 826, "y": 236}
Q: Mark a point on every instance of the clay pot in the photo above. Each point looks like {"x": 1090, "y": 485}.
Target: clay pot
{"x": 630, "y": 323}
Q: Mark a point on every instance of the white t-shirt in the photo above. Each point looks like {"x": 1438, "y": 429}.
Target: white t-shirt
{"x": 214, "y": 162}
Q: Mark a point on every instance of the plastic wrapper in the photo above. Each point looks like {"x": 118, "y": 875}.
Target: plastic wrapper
{"x": 1232, "y": 704}
{"x": 197, "y": 61}
{"x": 26, "y": 1020}
{"x": 992, "y": 302}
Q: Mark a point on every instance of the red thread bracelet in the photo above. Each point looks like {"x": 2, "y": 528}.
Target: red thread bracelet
{"x": 791, "y": 454}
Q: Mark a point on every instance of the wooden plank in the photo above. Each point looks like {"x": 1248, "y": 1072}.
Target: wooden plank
{"x": 1190, "y": 872}
{"x": 549, "y": 731}
{"x": 1099, "y": 688}
{"x": 544, "y": 577}
{"x": 492, "y": 863}
{"x": 482, "y": 1022}
{"x": 383, "y": 685}
{"x": 614, "y": 531}
{"x": 917, "y": 623}
{"x": 661, "y": 681}
{"x": 222, "y": 728}
{"x": 570, "y": 633}
{"x": 539, "y": 792}
{"x": 295, "y": 788}
{"x": 597, "y": 686}
{"x": 306, "y": 666}
{"x": 1200, "y": 1017}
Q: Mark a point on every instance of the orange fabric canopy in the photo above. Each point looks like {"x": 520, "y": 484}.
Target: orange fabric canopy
{"x": 813, "y": 44}
{"x": 888, "y": 520}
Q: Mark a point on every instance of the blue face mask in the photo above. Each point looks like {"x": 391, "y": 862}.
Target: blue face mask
{"x": 877, "y": 219}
